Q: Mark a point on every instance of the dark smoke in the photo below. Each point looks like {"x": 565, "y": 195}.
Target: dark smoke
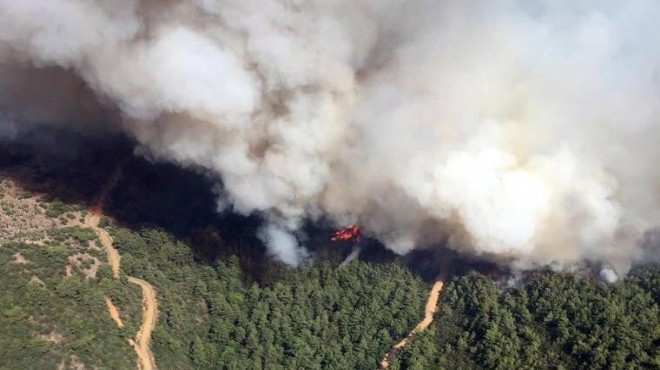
{"x": 519, "y": 131}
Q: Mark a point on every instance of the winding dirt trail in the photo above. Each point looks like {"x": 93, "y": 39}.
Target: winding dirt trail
{"x": 149, "y": 314}
{"x": 114, "y": 259}
{"x": 429, "y": 311}
{"x": 142, "y": 339}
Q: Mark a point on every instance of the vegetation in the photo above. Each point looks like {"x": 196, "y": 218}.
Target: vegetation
{"x": 312, "y": 318}
{"x": 73, "y": 233}
{"x": 547, "y": 321}
{"x": 57, "y": 208}
{"x": 224, "y": 305}
{"x": 47, "y": 318}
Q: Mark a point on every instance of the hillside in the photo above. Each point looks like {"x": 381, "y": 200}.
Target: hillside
{"x": 224, "y": 304}
{"x": 54, "y": 276}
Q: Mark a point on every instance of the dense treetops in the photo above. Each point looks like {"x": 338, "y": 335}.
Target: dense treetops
{"x": 215, "y": 316}
{"x": 316, "y": 317}
{"x": 547, "y": 320}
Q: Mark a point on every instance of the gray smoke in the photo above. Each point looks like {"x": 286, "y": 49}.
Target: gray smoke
{"x": 521, "y": 130}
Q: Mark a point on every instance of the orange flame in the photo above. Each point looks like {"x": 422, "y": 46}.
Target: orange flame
{"x": 350, "y": 232}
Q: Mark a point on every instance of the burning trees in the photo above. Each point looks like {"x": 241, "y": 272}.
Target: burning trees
{"x": 348, "y": 233}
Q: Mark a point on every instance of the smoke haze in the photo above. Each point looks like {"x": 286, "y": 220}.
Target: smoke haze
{"x": 522, "y": 131}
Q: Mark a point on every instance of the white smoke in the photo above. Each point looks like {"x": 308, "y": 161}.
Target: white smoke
{"x": 283, "y": 245}
{"x": 525, "y": 130}
{"x": 608, "y": 275}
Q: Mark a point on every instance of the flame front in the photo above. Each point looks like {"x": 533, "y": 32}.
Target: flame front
{"x": 351, "y": 232}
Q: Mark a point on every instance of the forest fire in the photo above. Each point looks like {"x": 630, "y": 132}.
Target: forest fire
{"x": 348, "y": 233}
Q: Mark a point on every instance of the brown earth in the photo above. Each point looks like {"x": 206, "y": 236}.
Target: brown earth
{"x": 114, "y": 312}
{"x": 143, "y": 336}
{"x": 19, "y": 259}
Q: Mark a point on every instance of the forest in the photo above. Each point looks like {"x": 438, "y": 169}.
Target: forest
{"x": 547, "y": 320}
{"x": 321, "y": 317}
{"x": 224, "y": 304}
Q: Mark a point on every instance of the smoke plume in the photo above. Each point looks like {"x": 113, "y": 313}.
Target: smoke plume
{"x": 524, "y": 131}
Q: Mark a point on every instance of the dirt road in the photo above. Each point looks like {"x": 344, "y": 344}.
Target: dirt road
{"x": 114, "y": 259}
{"x": 149, "y": 302}
{"x": 149, "y": 314}
{"x": 429, "y": 311}
{"x": 94, "y": 217}
{"x": 114, "y": 313}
